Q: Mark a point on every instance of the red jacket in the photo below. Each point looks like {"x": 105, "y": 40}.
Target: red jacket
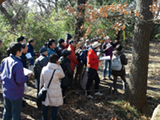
{"x": 66, "y": 46}
{"x": 92, "y": 59}
{"x": 72, "y": 57}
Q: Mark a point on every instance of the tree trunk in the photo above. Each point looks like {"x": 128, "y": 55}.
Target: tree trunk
{"x": 136, "y": 94}
{"x": 56, "y": 6}
{"x": 12, "y": 22}
{"x": 80, "y": 21}
{"x": 1, "y": 1}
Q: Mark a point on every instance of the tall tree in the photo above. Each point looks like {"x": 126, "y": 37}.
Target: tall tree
{"x": 80, "y": 19}
{"x": 136, "y": 94}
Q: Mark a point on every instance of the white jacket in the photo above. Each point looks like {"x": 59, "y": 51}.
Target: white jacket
{"x": 54, "y": 92}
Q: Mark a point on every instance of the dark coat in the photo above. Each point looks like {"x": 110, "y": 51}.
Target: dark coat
{"x": 65, "y": 64}
{"x": 31, "y": 51}
{"x": 24, "y": 60}
{"x": 40, "y": 62}
{"x": 60, "y": 48}
{"x": 124, "y": 61}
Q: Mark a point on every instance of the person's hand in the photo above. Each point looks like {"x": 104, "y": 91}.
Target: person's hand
{"x": 58, "y": 63}
{"x": 127, "y": 58}
{"x": 29, "y": 75}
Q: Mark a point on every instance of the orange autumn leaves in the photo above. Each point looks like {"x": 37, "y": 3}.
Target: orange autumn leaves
{"x": 117, "y": 12}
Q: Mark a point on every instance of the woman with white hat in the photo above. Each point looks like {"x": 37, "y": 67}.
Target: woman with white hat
{"x": 92, "y": 67}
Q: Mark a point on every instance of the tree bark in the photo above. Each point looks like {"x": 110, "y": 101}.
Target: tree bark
{"x": 1, "y": 1}
{"x": 12, "y": 22}
{"x": 136, "y": 94}
{"x": 56, "y": 6}
{"x": 80, "y": 21}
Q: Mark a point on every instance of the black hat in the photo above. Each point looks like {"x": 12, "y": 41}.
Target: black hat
{"x": 119, "y": 47}
{"x": 43, "y": 49}
{"x": 60, "y": 41}
{"x": 69, "y": 36}
{"x": 31, "y": 40}
{"x": 65, "y": 53}
{"x": 71, "y": 41}
{"x": 20, "y": 38}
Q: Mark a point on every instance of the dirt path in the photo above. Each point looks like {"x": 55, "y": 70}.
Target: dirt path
{"x": 80, "y": 108}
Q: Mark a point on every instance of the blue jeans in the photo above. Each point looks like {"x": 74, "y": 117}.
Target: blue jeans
{"x": 105, "y": 68}
{"x": 12, "y": 109}
{"x": 45, "y": 111}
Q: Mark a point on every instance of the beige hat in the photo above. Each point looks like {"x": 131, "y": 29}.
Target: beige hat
{"x": 96, "y": 44}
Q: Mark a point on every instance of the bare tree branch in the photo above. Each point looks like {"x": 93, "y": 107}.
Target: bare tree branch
{"x": 19, "y": 9}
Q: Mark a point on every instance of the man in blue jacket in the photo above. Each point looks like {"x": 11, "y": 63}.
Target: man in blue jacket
{"x": 12, "y": 80}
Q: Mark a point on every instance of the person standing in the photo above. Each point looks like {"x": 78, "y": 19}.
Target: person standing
{"x": 12, "y": 80}
{"x": 23, "y": 56}
{"x": 61, "y": 45}
{"x": 107, "y": 50}
{"x": 122, "y": 73}
{"x": 30, "y": 46}
{"x": 51, "y": 47}
{"x": 65, "y": 64}
{"x": 54, "y": 93}
{"x": 92, "y": 67}
{"x": 68, "y": 38}
{"x": 72, "y": 58}
{"x": 40, "y": 62}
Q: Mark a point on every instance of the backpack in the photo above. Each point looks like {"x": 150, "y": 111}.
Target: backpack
{"x": 116, "y": 63}
{"x": 83, "y": 56}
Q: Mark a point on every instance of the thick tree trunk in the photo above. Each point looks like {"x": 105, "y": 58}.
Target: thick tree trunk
{"x": 136, "y": 94}
{"x": 1, "y": 1}
{"x": 80, "y": 21}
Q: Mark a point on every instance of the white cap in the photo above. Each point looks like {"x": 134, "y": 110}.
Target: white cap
{"x": 107, "y": 37}
{"x": 96, "y": 44}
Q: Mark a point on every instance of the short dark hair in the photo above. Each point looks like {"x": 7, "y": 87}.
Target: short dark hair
{"x": 31, "y": 40}
{"x": 23, "y": 45}
{"x": 50, "y": 42}
{"x": 53, "y": 58}
{"x": 20, "y": 38}
{"x": 14, "y": 47}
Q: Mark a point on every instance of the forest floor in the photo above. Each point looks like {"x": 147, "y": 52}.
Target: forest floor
{"x": 107, "y": 107}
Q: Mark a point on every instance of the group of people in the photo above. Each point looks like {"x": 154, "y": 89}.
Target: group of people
{"x": 70, "y": 67}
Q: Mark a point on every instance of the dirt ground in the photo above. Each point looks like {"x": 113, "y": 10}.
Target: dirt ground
{"x": 78, "y": 107}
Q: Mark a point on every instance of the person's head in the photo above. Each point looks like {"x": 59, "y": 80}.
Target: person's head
{"x": 82, "y": 46}
{"x": 21, "y": 39}
{"x": 53, "y": 58}
{"x": 96, "y": 45}
{"x": 1, "y": 42}
{"x": 16, "y": 49}
{"x": 51, "y": 44}
{"x": 98, "y": 39}
{"x": 24, "y": 48}
{"x": 107, "y": 39}
{"x": 119, "y": 47}
{"x": 46, "y": 44}
{"x": 61, "y": 42}
{"x": 65, "y": 53}
{"x": 44, "y": 51}
{"x": 72, "y": 43}
{"x": 93, "y": 40}
{"x": 88, "y": 42}
{"x": 31, "y": 41}
{"x": 69, "y": 37}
